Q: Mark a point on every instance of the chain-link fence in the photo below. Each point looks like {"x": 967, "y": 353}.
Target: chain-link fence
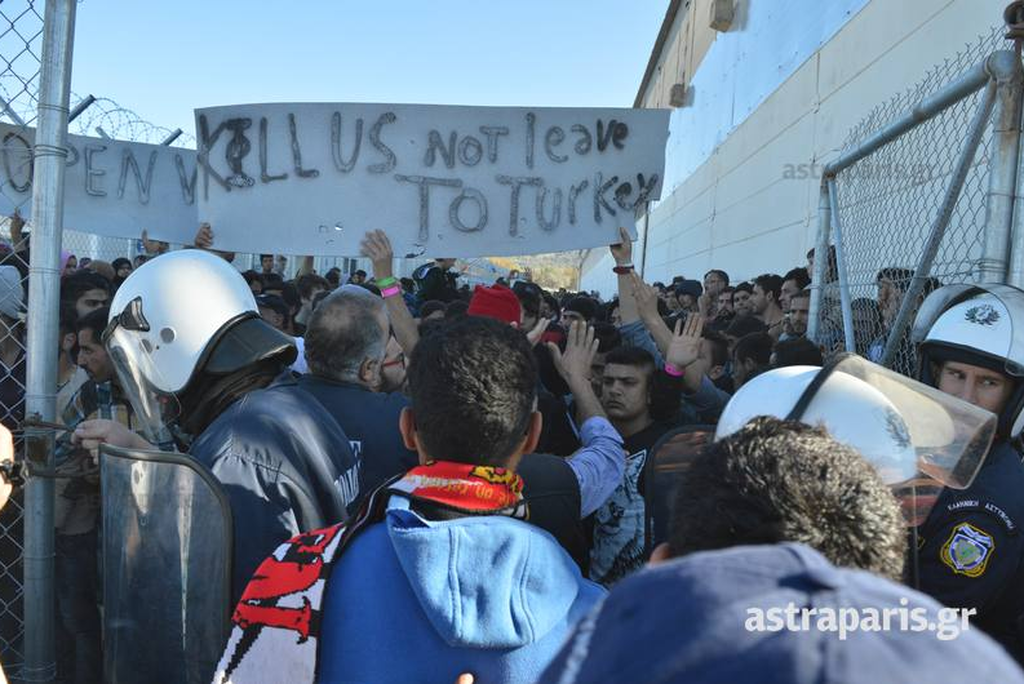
{"x": 886, "y": 207}
{"x": 21, "y": 29}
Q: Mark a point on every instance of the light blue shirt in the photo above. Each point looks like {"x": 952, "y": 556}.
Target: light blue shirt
{"x": 599, "y": 464}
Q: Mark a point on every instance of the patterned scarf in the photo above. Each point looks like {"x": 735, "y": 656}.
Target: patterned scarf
{"x": 276, "y": 625}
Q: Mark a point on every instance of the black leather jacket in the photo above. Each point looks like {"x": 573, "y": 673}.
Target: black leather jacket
{"x": 285, "y": 465}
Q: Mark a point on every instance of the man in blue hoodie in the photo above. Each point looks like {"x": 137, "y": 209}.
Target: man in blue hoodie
{"x": 440, "y": 574}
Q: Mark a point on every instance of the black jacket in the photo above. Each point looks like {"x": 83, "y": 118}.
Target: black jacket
{"x": 370, "y": 420}
{"x": 285, "y": 465}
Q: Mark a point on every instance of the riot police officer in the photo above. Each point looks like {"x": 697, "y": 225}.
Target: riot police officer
{"x": 971, "y": 547}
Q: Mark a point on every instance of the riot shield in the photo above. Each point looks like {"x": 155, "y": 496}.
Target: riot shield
{"x": 666, "y": 466}
{"x": 166, "y": 555}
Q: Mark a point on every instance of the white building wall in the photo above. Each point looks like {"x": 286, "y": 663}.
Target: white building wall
{"x": 726, "y": 203}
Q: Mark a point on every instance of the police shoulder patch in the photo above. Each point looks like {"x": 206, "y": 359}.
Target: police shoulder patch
{"x": 967, "y": 551}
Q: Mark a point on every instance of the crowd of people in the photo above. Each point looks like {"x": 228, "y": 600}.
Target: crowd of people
{"x": 451, "y": 481}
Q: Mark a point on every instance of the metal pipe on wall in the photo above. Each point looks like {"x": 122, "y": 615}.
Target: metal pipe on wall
{"x": 1005, "y": 68}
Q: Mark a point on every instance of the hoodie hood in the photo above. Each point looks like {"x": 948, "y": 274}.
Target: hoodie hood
{"x": 484, "y": 582}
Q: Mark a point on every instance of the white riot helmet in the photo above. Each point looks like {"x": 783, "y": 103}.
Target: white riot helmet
{"x": 906, "y": 430}
{"x": 182, "y": 315}
{"x": 976, "y": 325}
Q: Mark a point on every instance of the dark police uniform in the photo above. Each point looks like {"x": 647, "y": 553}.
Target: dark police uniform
{"x": 971, "y": 547}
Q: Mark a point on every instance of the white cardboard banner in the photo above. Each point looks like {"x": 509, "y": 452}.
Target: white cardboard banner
{"x": 442, "y": 181}
{"x": 111, "y": 187}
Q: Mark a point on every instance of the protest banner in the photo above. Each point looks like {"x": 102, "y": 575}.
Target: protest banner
{"x": 112, "y": 187}
{"x": 441, "y": 180}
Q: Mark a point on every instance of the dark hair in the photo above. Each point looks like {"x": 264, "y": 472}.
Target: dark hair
{"x": 745, "y": 325}
{"x": 798, "y": 275}
{"x": 551, "y": 300}
{"x": 290, "y": 295}
{"x": 333, "y": 276}
{"x": 274, "y": 303}
{"x": 584, "y": 306}
{"x": 308, "y": 282}
{"x": 473, "y": 385}
{"x": 266, "y": 256}
{"x": 408, "y": 285}
{"x": 781, "y": 481}
{"x": 360, "y": 271}
{"x": 770, "y": 284}
{"x": 96, "y": 321}
{"x": 319, "y": 297}
{"x": 798, "y": 351}
{"x": 431, "y": 306}
{"x": 529, "y": 300}
{"x": 80, "y": 282}
{"x": 744, "y": 287}
{"x": 728, "y": 289}
{"x": 252, "y": 276}
{"x": 120, "y": 263}
{"x": 719, "y": 347}
{"x": 608, "y": 337}
{"x": 756, "y": 347}
{"x": 631, "y": 356}
{"x": 272, "y": 281}
{"x": 900, "y": 277}
{"x": 831, "y": 269}
{"x": 455, "y": 309}
{"x": 802, "y": 294}
{"x": 720, "y": 273}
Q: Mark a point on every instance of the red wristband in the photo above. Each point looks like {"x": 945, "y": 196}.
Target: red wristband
{"x": 623, "y": 270}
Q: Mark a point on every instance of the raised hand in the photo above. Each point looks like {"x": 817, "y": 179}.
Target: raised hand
{"x": 622, "y": 252}
{"x": 684, "y": 348}
{"x": 580, "y": 348}
{"x": 377, "y": 247}
{"x": 646, "y": 297}
{"x": 204, "y": 238}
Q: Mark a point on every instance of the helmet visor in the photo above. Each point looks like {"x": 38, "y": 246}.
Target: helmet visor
{"x": 154, "y": 410}
{"x": 949, "y": 438}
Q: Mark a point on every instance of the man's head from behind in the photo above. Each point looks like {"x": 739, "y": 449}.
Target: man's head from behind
{"x": 347, "y": 337}
{"x": 473, "y": 386}
{"x": 92, "y": 355}
{"x": 776, "y": 481}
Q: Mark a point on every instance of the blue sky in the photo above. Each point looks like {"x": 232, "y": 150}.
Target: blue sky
{"x": 170, "y": 57}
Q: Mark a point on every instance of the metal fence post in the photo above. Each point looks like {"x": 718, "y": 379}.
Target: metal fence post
{"x": 820, "y": 263}
{"x": 1005, "y": 68}
{"x": 42, "y": 325}
{"x": 844, "y": 282}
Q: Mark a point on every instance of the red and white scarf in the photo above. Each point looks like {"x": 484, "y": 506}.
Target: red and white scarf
{"x": 276, "y": 631}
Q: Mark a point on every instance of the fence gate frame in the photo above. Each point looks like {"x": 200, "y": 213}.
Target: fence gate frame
{"x": 1001, "y": 75}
